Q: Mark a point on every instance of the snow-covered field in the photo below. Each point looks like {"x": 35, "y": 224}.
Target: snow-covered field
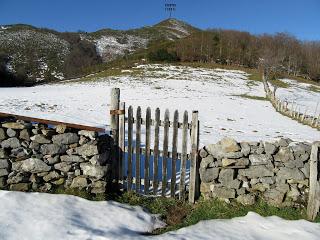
{"x": 304, "y": 96}
{"x": 219, "y": 95}
{"x": 38, "y": 216}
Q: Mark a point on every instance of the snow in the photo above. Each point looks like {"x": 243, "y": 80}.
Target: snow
{"x": 38, "y": 216}
{"x": 300, "y": 94}
{"x": 215, "y": 93}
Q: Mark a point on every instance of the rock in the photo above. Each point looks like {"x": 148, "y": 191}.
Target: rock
{"x": 3, "y": 153}
{"x": 284, "y": 155}
{"x": 242, "y": 162}
{"x": 24, "y": 187}
{"x": 52, "y": 149}
{"x": 10, "y": 143}
{"x": 227, "y": 162}
{"x": 90, "y": 134}
{"x": 223, "y": 193}
{"x": 46, "y": 187}
{"x": 72, "y": 158}
{"x": 241, "y": 191}
{"x": 16, "y": 125}
{"x": 83, "y": 140}
{"x": 24, "y": 134}
{"x": 34, "y": 165}
{"x": 256, "y": 172}
{"x": 207, "y": 162}
{"x": 233, "y": 155}
{"x": 65, "y": 138}
{"x": 260, "y": 159}
{"x": 11, "y": 132}
{"x": 15, "y": 166}
{"x": 294, "y": 194}
{"x": 229, "y": 145}
{"x": 267, "y": 180}
{"x": 226, "y": 175}
{"x": 209, "y": 174}
{"x": 35, "y": 146}
{"x": 290, "y": 173}
{"x": 2, "y": 134}
{"x": 261, "y": 187}
{"x": 246, "y": 200}
{"x": 60, "y": 181}
{"x": 61, "y": 128}
{"x": 41, "y": 139}
{"x": 3, "y": 183}
{"x": 4, "y": 172}
{"x": 4, "y": 163}
{"x": 18, "y": 178}
{"x": 294, "y": 164}
{"x": 20, "y": 153}
{"x": 99, "y": 187}
{"x": 283, "y": 187}
{"x": 245, "y": 148}
{"x": 48, "y": 132}
{"x": 273, "y": 197}
{"x": 79, "y": 182}
{"x": 51, "y": 176}
{"x": 205, "y": 187}
{"x": 306, "y": 170}
{"x": 284, "y": 142}
{"x": 95, "y": 171}
{"x": 53, "y": 160}
{"x": 63, "y": 167}
{"x": 203, "y": 153}
{"x": 269, "y": 148}
{"x": 87, "y": 150}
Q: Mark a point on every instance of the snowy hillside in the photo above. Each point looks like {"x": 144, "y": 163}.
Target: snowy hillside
{"x": 38, "y": 216}
{"x": 228, "y": 103}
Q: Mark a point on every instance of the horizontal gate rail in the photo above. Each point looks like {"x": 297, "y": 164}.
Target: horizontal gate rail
{"x": 161, "y": 124}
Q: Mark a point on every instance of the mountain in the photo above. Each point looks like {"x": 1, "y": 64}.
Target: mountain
{"x": 30, "y": 55}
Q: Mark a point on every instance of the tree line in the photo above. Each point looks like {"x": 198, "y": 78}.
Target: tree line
{"x": 278, "y": 53}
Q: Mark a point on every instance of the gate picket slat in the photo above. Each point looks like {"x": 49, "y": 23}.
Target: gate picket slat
{"x": 147, "y": 156}
{"x": 156, "y": 151}
{"x": 130, "y": 125}
{"x": 174, "y": 153}
{"x": 183, "y": 157}
{"x": 138, "y": 143}
{"x": 122, "y": 130}
{"x": 165, "y": 152}
{"x": 194, "y": 175}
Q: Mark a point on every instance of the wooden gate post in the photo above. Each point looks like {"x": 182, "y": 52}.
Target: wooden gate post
{"x": 314, "y": 192}
{"x": 114, "y": 125}
{"x": 194, "y": 165}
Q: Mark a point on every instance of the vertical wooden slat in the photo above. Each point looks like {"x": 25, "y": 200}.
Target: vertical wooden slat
{"x": 174, "y": 153}
{"x": 122, "y": 130}
{"x": 156, "y": 151}
{"x": 165, "y": 152}
{"x": 138, "y": 143}
{"x": 130, "y": 123}
{"x": 147, "y": 155}
{"x": 183, "y": 157}
{"x": 114, "y": 125}
{"x": 314, "y": 192}
{"x": 194, "y": 155}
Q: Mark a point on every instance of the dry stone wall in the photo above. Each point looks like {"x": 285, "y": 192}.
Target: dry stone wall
{"x": 37, "y": 157}
{"x": 277, "y": 172}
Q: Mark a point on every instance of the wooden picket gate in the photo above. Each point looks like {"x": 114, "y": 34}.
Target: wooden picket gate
{"x": 138, "y": 164}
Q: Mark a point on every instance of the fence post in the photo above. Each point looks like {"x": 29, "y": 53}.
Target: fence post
{"x": 314, "y": 192}
{"x": 194, "y": 165}
{"x": 122, "y": 130}
{"x": 114, "y": 125}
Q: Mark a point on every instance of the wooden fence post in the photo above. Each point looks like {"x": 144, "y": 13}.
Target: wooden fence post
{"x": 114, "y": 124}
{"x": 122, "y": 131}
{"x": 194, "y": 173}
{"x": 314, "y": 192}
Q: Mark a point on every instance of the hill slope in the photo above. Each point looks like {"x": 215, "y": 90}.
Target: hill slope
{"x": 31, "y": 55}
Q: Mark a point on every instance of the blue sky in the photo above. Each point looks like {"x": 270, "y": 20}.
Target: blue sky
{"x": 298, "y": 17}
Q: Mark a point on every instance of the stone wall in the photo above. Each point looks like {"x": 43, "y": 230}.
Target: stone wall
{"x": 38, "y": 157}
{"x": 277, "y": 172}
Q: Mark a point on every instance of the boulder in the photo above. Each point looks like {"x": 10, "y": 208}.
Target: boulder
{"x": 24, "y": 134}
{"x": 90, "y": 134}
{"x": 61, "y": 128}
{"x": 226, "y": 148}
{"x": 209, "y": 174}
{"x": 290, "y": 173}
{"x": 260, "y": 159}
{"x": 3, "y": 153}
{"x": 270, "y": 148}
{"x": 52, "y": 149}
{"x": 99, "y": 187}
{"x": 79, "y": 182}
{"x": 274, "y": 197}
{"x": 51, "y": 176}
{"x": 203, "y": 153}
{"x": 11, "y": 132}
{"x": 10, "y": 143}
{"x": 18, "y": 178}
{"x": 245, "y": 148}
{"x": 87, "y": 150}
{"x": 246, "y": 199}
{"x": 223, "y": 193}
{"x": 228, "y": 162}
{"x": 72, "y": 158}
{"x": 16, "y": 125}
{"x": 63, "y": 166}
{"x": 41, "y": 139}
{"x": 207, "y": 162}
{"x": 24, "y": 187}
{"x": 284, "y": 142}
{"x": 60, "y": 181}
{"x": 284, "y": 155}
{"x": 4, "y": 172}
{"x": 65, "y": 138}
{"x": 2, "y": 134}
{"x": 4, "y": 163}
{"x": 34, "y": 165}
{"x": 256, "y": 172}
{"x": 95, "y": 171}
